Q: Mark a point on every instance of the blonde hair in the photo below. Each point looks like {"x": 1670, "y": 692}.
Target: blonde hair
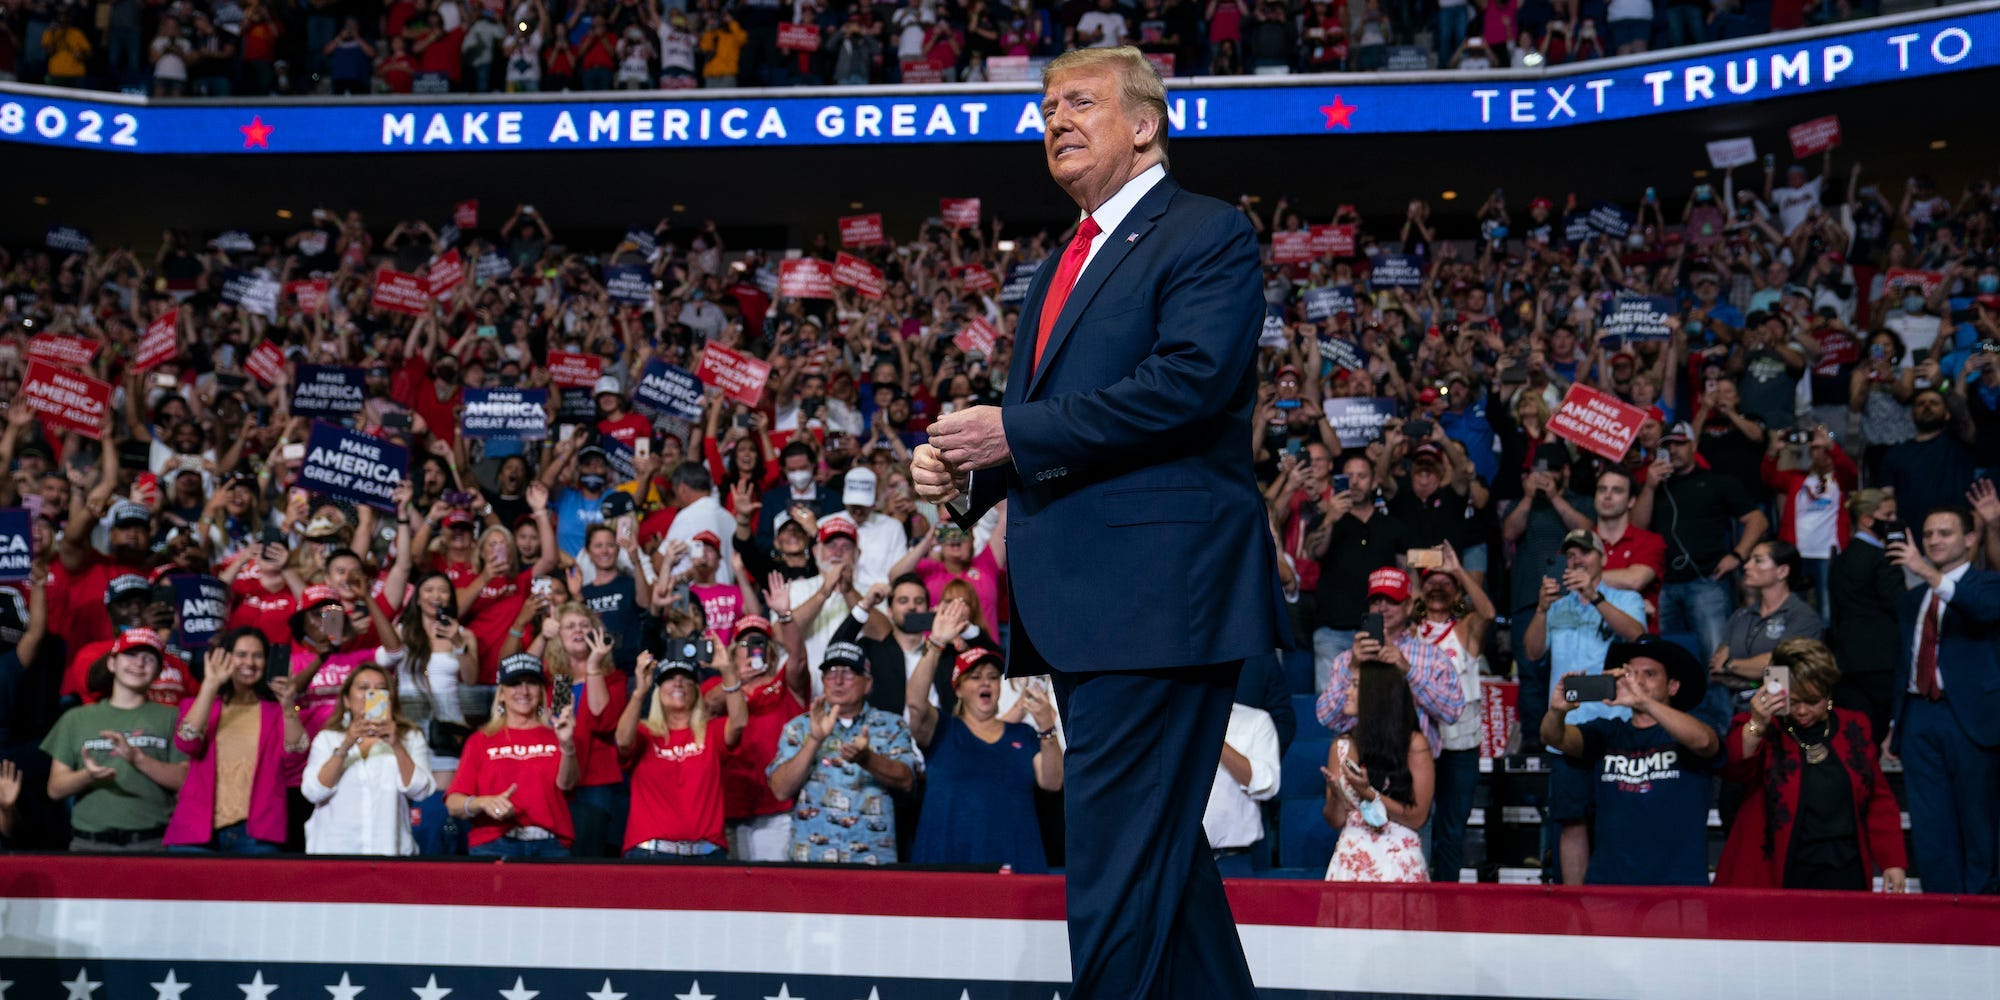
{"x": 1812, "y": 665}
{"x": 555, "y": 657}
{"x": 655, "y": 721}
{"x": 965, "y": 592}
{"x": 1139, "y": 84}
{"x": 483, "y": 540}
{"x": 1866, "y": 502}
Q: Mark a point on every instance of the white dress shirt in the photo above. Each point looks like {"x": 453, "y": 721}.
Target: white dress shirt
{"x": 1943, "y": 592}
{"x": 368, "y": 810}
{"x": 1232, "y": 818}
{"x": 882, "y": 544}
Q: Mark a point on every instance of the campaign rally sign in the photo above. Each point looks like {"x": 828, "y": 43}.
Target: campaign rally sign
{"x": 805, "y": 278}
{"x": 858, "y": 274}
{"x": 642, "y": 240}
{"x": 505, "y": 414}
{"x": 566, "y": 369}
{"x": 1499, "y": 714}
{"x": 1359, "y": 421}
{"x": 67, "y": 400}
{"x": 1342, "y": 353}
{"x": 448, "y": 235}
{"x": 1015, "y": 291}
{"x": 17, "y": 544}
{"x": 1576, "y": 228}
{"x": 491, "y": 267}
{"x": 1636, "y": 317}
{"x": 69, "y": 352}
{"x": 465, "y": 214}
{"x": 576, "y": 405}
{"x": 623, "y": 462}
{"x": 68, "y": 238}
{"x": 160, "y": 343}
{"x": 975, "y": 278}
{"x": 396, "y": 291}
{"x": 252, "y": 292}
{"x": 959, "y": 213}
{"x": 329, "y": 391}
{"x": 739, "y": 376}
{"x": 266, "y": 362}
{"x": 1612, "y": 220}
{"x": 1396, "y": 270}
{"x": 1326, "y": 303}
{"x": 1273, "y": 334}
{"x": 978, "y": 337}
{"x": 310, "y": 295}
{"x": 631, "y": 284}
{"x": 234, "y": 241}
{"x": 1910, "y": 279}
{"x": 669, "y": 389}
{"x": 348, "y": 465}
{"x": 203, "y": 604}
{"x": 1597, "y": 422}
{"x": 1294, "y": 247}
{"x": 1333, "y": 241}
{"x": 1816, "y": 136}
{"x": 1726, "y": 153}
{"x": 861, "y": 230}
{"x": 446, "y": 274}
{"x": 798, "y": 37}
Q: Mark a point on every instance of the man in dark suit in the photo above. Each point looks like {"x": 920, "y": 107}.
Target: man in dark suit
{"x": 796, "y": 461}
{"x": 1948, "y": 706}
{"x": 1141, "y": 566}
{"x": 1863, "y": 591}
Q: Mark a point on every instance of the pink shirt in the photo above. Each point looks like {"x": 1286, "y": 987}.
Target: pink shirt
{"x": 277, "y": 768}
{"x": 988, "y": 580}
{"x": 321, "y": 697}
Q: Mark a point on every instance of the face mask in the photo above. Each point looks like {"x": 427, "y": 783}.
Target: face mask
{"x": 801, "y": 479}
{"x": 1636, "y": 241}
{"x": 592, "y": 482}
{"x": 1989, "y": 284}
{"x": 1913, "y": 303}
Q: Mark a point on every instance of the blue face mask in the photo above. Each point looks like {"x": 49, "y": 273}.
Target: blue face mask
{"x": 1989, "y": 284}
{"x": 1913, "y": 303}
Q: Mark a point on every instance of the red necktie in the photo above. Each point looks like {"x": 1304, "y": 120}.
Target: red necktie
{"x": 1065, "y": 279}
{"x": 1927, "y": 642}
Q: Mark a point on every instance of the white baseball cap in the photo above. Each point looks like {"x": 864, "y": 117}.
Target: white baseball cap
{"x": 858, "y": 489}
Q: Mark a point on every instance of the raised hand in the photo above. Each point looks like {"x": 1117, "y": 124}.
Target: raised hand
{"x": 1985, "y": 501}
{"x": 952, "y": 617}
{"x": 565, "y": 726}
{"x": 10, "y": 778}
{"x": 820, "y": 721}
{"x": 855, "y": 751}
{"x": 121, "y": 747}
{"x": 538, "y": 497}
{"x": 779, "y": 598}
{"x": 600, "y": 650}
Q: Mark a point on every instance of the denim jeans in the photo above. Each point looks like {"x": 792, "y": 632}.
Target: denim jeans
{"x": 1457, "y": 779}
{"x": 1685, "y": 26}
{"x": 599, "y": 814}
{"x": 1700, "y": 606}
{"x": 436, "y": 831}
{"x": 1328, "y": 644}
{"x": 122, "y": 47}
{"x": 1820, "y": 572}
{"x": 506, "y": 848}
{"x": 1532, "y": 673}
{"x": 1451, "y": 24}
{"x": 232, "y": 839}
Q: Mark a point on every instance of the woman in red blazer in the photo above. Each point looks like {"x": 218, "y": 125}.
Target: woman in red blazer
{"x": 1820, "y": 815}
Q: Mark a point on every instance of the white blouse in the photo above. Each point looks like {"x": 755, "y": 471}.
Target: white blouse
{"x": 368, "y": 810}
{"x": 441, "y": 671}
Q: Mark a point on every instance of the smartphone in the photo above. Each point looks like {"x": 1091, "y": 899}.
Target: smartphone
{"x": 565, "y": 432}
{"x": 1371, "y": 626}
{"x": 1286, "y": 404}
{"x": 396, "y": 421}
{"x": 918, "y": 621}
{"x": 375, "y": 705}
{"x": 1590, "y": 687}
{"x": 642, "y": 447}
{"x": 457, "y": 498}
{"x": 527, "y": 209}
{"x": 627, "y": 525}
{"x": 295, "y": 452}
{"x": 1920, "y": 355}
{"x": 1431, "y": 558}
{"x": 1417, "y": 430}
{"x": 277, "y": 661}
{"x": 165, "y": 381}
{"x": 542, "y": 587}
{"x": 1352, "y": 767}
{"x": 1893, "y": 533}
{"x": 1541, "y": 466}
{"x": 695, "y": 550}
{"x": 1779, "y": 680}
{"x": 1340, "y": 482}
{"x": 1513, "y": 375}
{"x": 444, "y": 616}
{"x": 1295, "y": 447}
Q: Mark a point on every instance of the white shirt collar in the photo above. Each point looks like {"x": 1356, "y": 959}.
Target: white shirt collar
{"x": 1954, "y": 576}
{"x": 1114, "y": 210}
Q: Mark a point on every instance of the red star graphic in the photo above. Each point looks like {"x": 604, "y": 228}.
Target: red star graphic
{"x": 1337, "y": 113}
{"x": 259, "y": 134}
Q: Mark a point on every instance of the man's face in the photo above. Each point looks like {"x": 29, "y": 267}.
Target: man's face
{"x": 1586, "y": 561}
{"x": 1613, "y": 497}
{"x": 1360, "y": 475}
{"x": 1092, "y": 141}
{"x": 838, "y": 550}
{"x": 1319, "y": 462}
{"x": 129, "y": 612}
{"x": 1946, "y": 542}
{"x": 1424, "y": 478}
{"x": 908, "y": 598}
{"x": 1681, "y": 454}
{"x": 1395, "y": 614}
{"x": 1650, "y": 676}
{"x": 1929, "y": 407}
{"x": 845, "y": 688}
{"x": 129, "y": 543}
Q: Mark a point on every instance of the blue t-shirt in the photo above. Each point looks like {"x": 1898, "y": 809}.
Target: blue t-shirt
{"x": 575, "y": 513}
{"x": 1652, "y": 806}
{"x": 1578, "y": 639}
{"x": 1470, "y": 428}
{"x": 979, "y": 799}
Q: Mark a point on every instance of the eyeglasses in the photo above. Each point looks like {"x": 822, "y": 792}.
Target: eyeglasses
{"x": 848, "y": 673}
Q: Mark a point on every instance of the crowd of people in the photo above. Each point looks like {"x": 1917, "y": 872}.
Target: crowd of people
{"x": 218, "y": 48}
{"x": 733, "y": 632}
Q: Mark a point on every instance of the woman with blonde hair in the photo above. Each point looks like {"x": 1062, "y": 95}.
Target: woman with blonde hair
{"x": 516, "y": 770}
{"x": 676, "y": 749}
{"x": 364, "y": 772}
{"x": 577, "y": 652}
{"x": 493, "y": 597}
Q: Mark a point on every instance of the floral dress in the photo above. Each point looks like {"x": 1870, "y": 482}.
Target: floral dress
{"x": 1392, "y": 854}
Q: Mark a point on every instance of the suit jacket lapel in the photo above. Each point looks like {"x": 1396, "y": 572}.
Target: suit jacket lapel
{"x": 1020, "y": 366}
{"x": 1117, "y": 245}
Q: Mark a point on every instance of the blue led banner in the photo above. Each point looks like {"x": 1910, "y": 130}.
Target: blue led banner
{"x": 1946, "y": 40}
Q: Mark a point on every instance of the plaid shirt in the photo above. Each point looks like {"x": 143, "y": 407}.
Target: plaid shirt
{"x": 1433, "y": 682}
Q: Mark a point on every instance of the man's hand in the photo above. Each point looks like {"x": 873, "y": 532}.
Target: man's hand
{"x": 1558, "y": 698}
{"x": 936, "y": 480}
{"x": 1905, "y": 556}
{"x": 1630, "y": 695}
{"x": 855, "y": 751}
{"x": 972, "y": 438}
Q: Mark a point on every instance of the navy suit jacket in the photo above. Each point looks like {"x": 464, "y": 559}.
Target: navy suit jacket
{"x": 1136, "y": 536}
{"x": 778, "y": 499}
{"x": 1968, "y": 652}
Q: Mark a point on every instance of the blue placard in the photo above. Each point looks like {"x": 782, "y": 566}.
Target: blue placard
{"x": 202, "y": 603}
{"x": 1326, "y": 303}
{"x": 667, "y": 389}
{"x": 1608, "y": 219}
{"x": 1636, "y": 317}
{"x": 1359, "y": 421}
{"x": 1396, "y": 270}
{"x": 17, "y": 544}
{"x": 505, "y": 414}
{"x": 628, "y": 283}
{"x": 329, "y": 391}
{"x": 351, "y": 466}
{"x": 1015, "y": 290}
{"x": 1900, "y": 47}
{"x": 619, "y": 454}
{"x": 1342, "y": 354}
{"x": 576, "y": 405}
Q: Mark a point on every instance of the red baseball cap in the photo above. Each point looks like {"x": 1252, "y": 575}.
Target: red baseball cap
{"x": 1427, "y": 394}
{"x": 837, "y": 525}
{"x": 458, "y": 519}
{"x": 1389, "y": 582}
{"x": 709, "y": 539}
{"x": 973, "y": 657}
{"x": 139, "y": 638}
{"x": 752, "y": 623}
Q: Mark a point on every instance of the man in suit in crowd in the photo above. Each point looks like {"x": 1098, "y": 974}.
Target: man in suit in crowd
{"x": 1864, "y": 591}
{"x": 1947, "y": 728}
{"x": 1141, "y": 567}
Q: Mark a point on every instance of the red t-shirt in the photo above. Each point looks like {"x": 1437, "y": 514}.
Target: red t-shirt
{"x": 172, "y": 686}
{"x": 260, "y": 42}
{"x": 746, "y": 790}
{"x": 442, "y": 55}
{"x": 653, "y": 529}
{"x": 492, "y": 616}
{"x": 88, "y": 619}
{"x": 677, "y": 787}
{"x": 626, "y": 429}
{"x": 258, "y": 606}
{"x": 527, "y": 759}
{"x": 420, "y": 394}
{"x": 597, "y": 734}
{"x": 1639, "y": 547}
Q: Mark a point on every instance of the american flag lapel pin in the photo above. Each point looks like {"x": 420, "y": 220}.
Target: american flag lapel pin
{"x": 1131, "y": 237}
